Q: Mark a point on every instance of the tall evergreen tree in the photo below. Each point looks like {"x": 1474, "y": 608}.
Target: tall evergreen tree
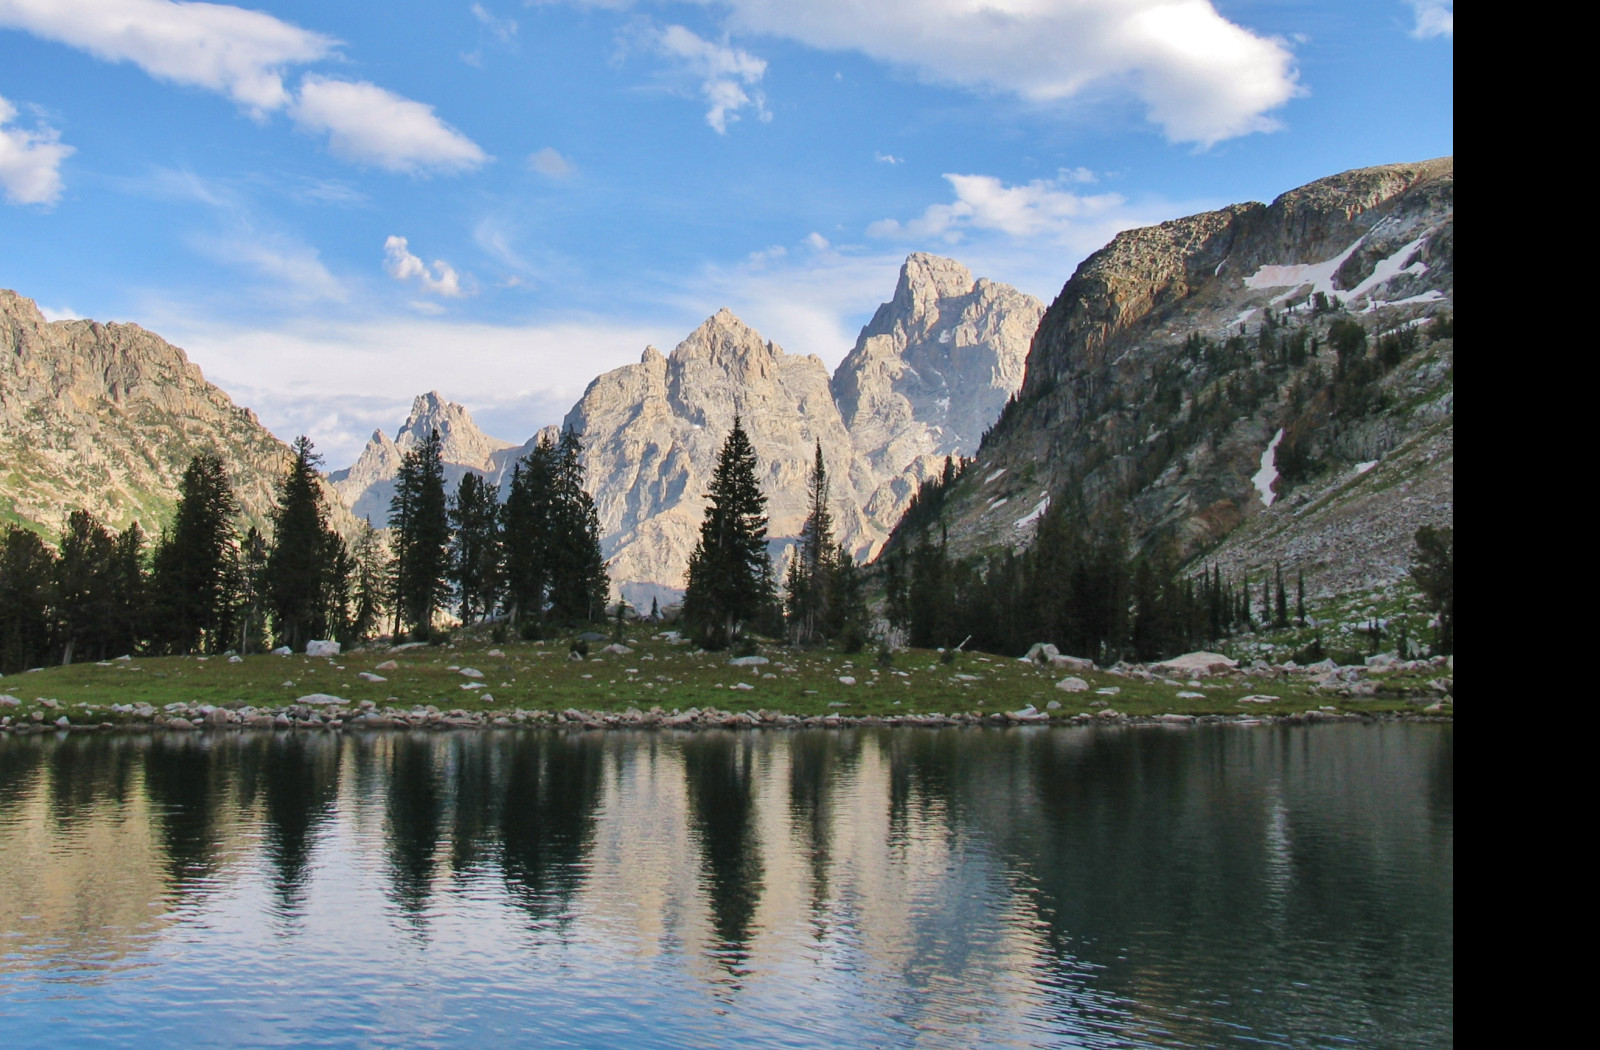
{"x": 369, "y": 583}
{"x": 1433, "y": 569}
{"x": 526, "y": 528}
{"x": 84, "y": 600}
{"x": 475, "y": 547}
{"x": 196, "y": 562}
{"x": 130, "y": 590}
{"x": 845, "y": 614}
{"x": 253, "y": 588}
{"x": 1280, "y": 610}
{"x": 27, "y": 580}
{"x": 729, "y": 579}
{"x": 578, "y": 581}
{"x": 420, "y": 522}
{"x": 304, "y": 552}
{"x": 811, "y": 574}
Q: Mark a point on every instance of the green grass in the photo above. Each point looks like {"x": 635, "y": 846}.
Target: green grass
{"x": 534, "y": 676}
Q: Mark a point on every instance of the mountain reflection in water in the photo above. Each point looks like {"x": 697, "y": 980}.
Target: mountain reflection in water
{"x": 894, "y": 887}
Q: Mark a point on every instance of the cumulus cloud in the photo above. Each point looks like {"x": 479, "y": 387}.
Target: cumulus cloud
{"x": 551, "y": 163}
{"x": 728, "y": 76}
{"x": 244, "y": 55}
{"x": 369, "y": 125}
{"x": 1434, "y": 18}
{"x": 1042, "y": 207}
{"x": 30, "y": 160}
{"x": 234, "y": 52}
{"x": 442, "y": 279}
{"x": 1201, "y": 77}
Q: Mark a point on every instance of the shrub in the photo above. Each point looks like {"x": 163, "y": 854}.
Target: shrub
{"x": 531, "y": 631}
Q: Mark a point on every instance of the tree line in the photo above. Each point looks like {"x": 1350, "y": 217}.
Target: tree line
{"x": 206, "y": 584}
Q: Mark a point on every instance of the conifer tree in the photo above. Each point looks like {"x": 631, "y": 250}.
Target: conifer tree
{"x": 846, "y": 611}
{"x": 27, "y": 578}
{"x": 1280, "y": 614}
{"x": 526, "y": 532}
{"x": 729, "y": 579}
{"x": 369, "y": 581}
{"x": 1433, "y": 571}
{"x": 811, "y": 573}
{"x": 196, "y": 562}
{"x": 130, "y": 589}
{"x": 421, "y": 531}
{"x": 303, "y": 555}
{"x": 578, "y": 581}
{"x": 83, "y": 590}
{"x": 475, "y": 547}
{"x": 253, "y": 588}
{"x": 1300, "y": 596}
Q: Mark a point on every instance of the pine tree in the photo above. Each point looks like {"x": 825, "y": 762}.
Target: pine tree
{"x": 811, "y": 573}
{"x": 1300, "y": 597}
{"x": 1280, "y": 617}
{"x": 196, "y": 562}
{"x": 729, "y": 579}
{"x": 578, "y": 581}
{"x": 846, "y": 612}
{"x": 371, "y": 571}
{"x": 302, "y": 558}
{"x": 27, "y": 582}
{"x": 1433, "y": 571}
{"x": 421, "y": 531}
{"x": 130, "y": 590}
{"x": 253, "y": 588}
{"x": 526, "y": 527}
{"x": 83, "y": 592}
{"x": 475, "y": 548}
{"x": 655, "y": 610}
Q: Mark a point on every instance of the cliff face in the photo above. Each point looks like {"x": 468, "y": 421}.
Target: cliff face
{"x": 367, "y": 486}
{"x": 105, "y": 417}
{"x": 1185, "y": 374}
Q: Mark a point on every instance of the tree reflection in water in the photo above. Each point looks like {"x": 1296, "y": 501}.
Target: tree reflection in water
{"x": 717, "y": 765}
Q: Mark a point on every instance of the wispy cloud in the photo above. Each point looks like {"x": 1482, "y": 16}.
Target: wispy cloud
{"x": 1435, "y": 18}
{"x": 369, "y": 125}
{"x": 30, "y": 160}
{"x": 245, "y": 56}
{"x": 728, "y": 77}
{"x": 551, "y": 163}
{"x": 888, "y": 158}
{"x": 403, "y": 266}
{"x": 1043, "y": 207}
{"x": 234, "y": 52}
{"x": 293, "y": 267}
{"x": 1201, "y": 77}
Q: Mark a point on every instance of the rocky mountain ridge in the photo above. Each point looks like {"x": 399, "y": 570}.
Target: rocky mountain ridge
{"x": 1186, "y": 375}
{"x": 105, "y": 417}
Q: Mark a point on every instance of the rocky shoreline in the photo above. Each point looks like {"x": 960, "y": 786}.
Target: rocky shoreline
{"x": 296, "y": 717}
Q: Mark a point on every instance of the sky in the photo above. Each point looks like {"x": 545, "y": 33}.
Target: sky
{"x": 335, "y": 207}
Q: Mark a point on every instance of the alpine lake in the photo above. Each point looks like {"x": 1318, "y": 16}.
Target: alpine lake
{"x": 1088, "y": 882}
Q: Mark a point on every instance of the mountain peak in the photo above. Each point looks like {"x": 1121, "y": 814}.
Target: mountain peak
{"x": 925, "y": 277}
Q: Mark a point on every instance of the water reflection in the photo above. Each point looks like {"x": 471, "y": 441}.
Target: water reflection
{"x": 893, "y": 887}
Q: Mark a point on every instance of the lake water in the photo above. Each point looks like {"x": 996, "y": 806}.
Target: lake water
{"x": 1210, "y": 886}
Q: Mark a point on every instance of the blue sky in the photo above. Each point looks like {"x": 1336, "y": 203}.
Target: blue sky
{"x": 333, "y": 207}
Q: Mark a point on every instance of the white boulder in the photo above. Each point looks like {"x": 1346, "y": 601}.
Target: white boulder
{"x": 1073, "y": 685}
{"x": 322, "y": 647}
{"x": 1190, "y": 665}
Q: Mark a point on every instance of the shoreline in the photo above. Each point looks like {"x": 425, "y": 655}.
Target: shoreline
{"x": 573, "y": 720}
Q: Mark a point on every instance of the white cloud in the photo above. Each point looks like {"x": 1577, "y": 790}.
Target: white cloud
{"x": 1434, "y": 18}
{"x": 550, "y": 162}
{"x": 1039, "y": 208}
{"x": 30, "y": 161}
{"x": 404, "y": 266}
{"x": 888, "y": 158}
{"x": 295, "y": 269}
{"x": 816, "y": 241}
{"x": 337, "y": 380}
{"x": 1201, "y": 77}
{"x": 725, "y": 73}
{"x": 234, "y": 52}
{"x": 504, "y": 29}
{"x": 369, "y": 125}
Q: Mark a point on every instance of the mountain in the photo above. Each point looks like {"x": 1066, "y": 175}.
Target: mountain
{"x": 105, "y": 417}
{"x": 367, "y": 485}
{"x": 1186, "y": 377}
{"x": 926, "y": 377}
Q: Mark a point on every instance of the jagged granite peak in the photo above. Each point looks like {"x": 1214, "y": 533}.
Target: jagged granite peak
{"x": 1120, "y": 408}
{"x": 367, "y": 486}
{"x": 105, "y": 417}
{"x": 929, "y": 374}
{"x": 651, "y": 434}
